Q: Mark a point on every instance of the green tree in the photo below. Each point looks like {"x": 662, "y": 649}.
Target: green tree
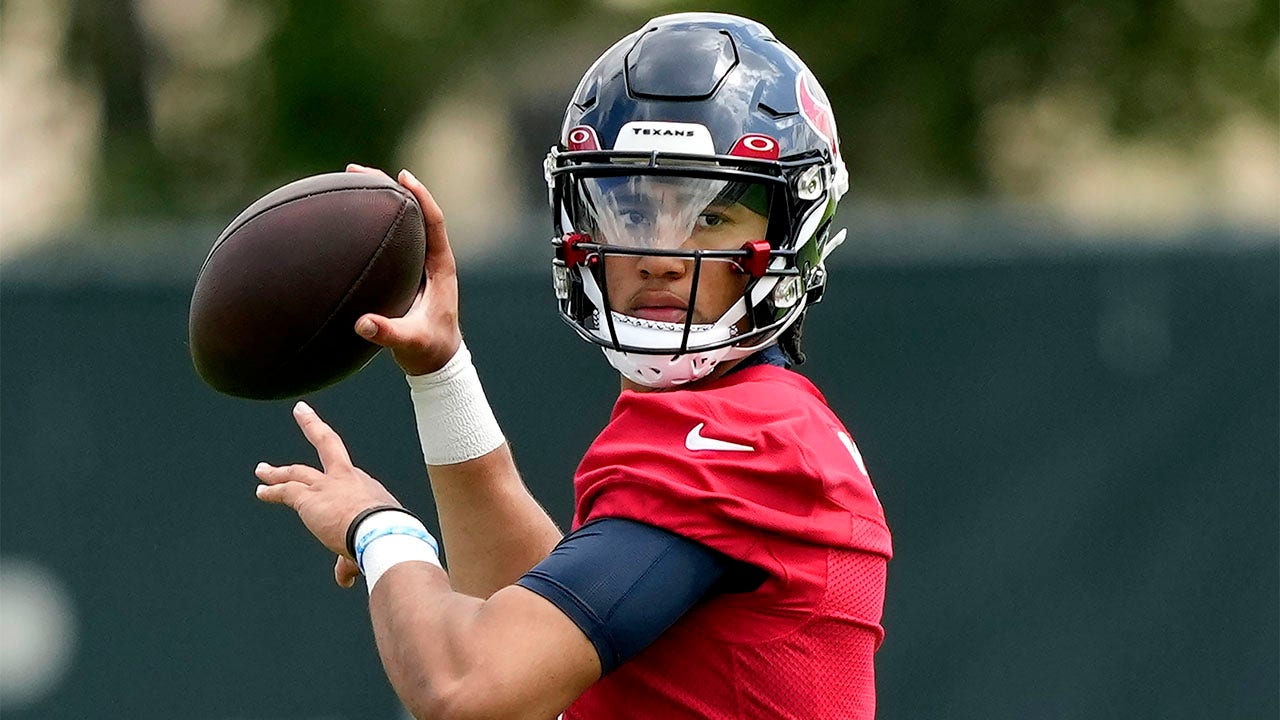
{"x": 912, "y": 83}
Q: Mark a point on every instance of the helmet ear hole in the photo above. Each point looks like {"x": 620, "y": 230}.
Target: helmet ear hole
{"x": 809, "y": 184}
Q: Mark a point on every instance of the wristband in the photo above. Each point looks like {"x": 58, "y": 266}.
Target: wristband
{"x": 355, "y": 523}
{"x": 386, "y": 539}
{"x": 455, "y": 422}
{"x": 412, "y": 531}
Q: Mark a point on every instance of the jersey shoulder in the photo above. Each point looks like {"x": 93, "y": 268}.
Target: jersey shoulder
{"x": 758, "y": 450}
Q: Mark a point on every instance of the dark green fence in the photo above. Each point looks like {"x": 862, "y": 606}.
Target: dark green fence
{"x": 1077, "y": 456}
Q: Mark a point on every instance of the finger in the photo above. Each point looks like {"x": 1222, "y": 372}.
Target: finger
{"x": 332, "y": 452}
{"x": 272, "y": 475}
{"x": 439, "y": 253}
{"x": 354, "y": 168}
{"x": 345, "y": 572}
{"x": 283, "y": 494}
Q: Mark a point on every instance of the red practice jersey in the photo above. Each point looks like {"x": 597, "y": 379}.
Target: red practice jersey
{"x": 756, "y": 466}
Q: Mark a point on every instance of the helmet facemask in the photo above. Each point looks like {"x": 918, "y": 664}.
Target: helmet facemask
{"x": 712, "y": 232}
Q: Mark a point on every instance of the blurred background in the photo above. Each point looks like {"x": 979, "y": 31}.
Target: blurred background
{"x": 1054, "y": 333}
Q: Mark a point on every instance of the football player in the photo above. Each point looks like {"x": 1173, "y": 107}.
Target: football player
{"x": 727, "y": 555}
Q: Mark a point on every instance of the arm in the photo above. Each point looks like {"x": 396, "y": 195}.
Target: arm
{"x": 448, "y": 655}
{"x": 603, "y": 595}
{"x": 616, "y": 583}
{"x": 495, "y": 530}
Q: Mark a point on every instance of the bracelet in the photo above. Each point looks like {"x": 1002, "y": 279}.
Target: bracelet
{"x": 359, "y": 518}
{"x": 386, "y": 539}
{"x": 455, "y": 422}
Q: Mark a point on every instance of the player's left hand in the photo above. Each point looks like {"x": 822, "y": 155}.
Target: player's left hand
{"x": 326, "y": 500}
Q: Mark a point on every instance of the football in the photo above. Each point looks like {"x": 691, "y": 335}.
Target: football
{"x": 276, "y": 301}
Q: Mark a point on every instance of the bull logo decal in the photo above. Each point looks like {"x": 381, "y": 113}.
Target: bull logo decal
{"x": 816, "y": 110}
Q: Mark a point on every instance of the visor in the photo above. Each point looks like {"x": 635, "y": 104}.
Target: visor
{"x": 657, "y": 212}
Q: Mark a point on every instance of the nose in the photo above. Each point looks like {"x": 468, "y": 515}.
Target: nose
{"x": 663, "y": 266}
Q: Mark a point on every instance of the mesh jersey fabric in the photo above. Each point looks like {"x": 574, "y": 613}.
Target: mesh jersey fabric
{"x": 792, "y": 499}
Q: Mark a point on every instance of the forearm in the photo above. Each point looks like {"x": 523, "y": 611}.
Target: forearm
{"x": 423, "y": 672}
{"x": 453, "y": 656}
{"x": 492, "y": 527}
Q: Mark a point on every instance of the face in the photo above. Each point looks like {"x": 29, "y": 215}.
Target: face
{"x": 659, "y": 288}
{"x": 677, "y": 214}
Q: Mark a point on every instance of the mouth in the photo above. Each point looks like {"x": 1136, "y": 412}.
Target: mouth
{"x": 660, "y": 313}
{"x": 659, "y": 306}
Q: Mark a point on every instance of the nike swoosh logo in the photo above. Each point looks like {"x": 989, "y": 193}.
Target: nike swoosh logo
{"x": 695, "y": 441}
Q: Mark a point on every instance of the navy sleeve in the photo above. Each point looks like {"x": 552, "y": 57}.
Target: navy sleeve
{"x": 624, "y": 583}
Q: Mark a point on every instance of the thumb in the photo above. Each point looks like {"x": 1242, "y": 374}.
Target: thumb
{"x": 345, "y": 571}
{"x": 380, "y": 330}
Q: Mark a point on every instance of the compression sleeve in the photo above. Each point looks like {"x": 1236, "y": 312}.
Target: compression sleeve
{"x": 623, "y": 583}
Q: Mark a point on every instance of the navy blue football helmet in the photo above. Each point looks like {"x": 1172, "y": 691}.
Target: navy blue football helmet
{"x": 711, "y": 110}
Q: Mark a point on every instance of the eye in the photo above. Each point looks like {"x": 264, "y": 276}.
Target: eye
{"x": 634, "y": 218}
{"x": 711, "y": 220}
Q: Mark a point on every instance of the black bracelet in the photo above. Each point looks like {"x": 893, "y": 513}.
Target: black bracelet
{"x": 355, "y": 523}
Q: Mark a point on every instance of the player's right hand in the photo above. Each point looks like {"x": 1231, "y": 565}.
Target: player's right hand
{"x": 345, "y": 571}
{"x": 428, "y": 335}
{"x": 328, "y": 499}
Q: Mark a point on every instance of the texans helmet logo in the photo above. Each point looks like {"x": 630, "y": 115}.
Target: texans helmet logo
{"x": 817, "y": 110}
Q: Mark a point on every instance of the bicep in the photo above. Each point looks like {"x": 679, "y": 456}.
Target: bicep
{"x": 623, "y": 583}
{"x": 537, "y": 649}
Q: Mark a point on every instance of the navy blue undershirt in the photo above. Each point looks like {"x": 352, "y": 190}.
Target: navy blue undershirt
{"x": 771, "y": 355}
{"x": 623, "y": 583}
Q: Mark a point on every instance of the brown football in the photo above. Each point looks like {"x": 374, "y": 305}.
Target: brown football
{"x": 276, "y": 301}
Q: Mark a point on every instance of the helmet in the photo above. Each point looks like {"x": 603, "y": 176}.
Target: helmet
{"x": 694, "y": 111}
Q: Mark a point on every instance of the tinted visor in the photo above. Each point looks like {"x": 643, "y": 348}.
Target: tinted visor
{"x": 670, "y": 212}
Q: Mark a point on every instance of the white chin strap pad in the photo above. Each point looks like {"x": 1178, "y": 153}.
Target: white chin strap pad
{"x": 667, "y": 369}
{"x": 664, "y": 371}
{"x": 661, "y": 371}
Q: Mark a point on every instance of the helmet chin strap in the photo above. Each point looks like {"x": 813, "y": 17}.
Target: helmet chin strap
{"x": 663, "y": 371}
{"x": 668, "y": 371}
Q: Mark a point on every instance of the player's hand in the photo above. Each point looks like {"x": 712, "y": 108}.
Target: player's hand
{"x": 326, "y": 500}
{"x": 428, "y": 335}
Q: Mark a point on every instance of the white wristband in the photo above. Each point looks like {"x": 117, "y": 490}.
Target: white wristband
{"x": 388, "y": 538}
{"x": 455, "y": 422}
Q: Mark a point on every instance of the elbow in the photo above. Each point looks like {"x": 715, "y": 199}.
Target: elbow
{"x": 434, "y": 703}
{"x": 461, "y": 700}
{"x": 426, "y": 698}
{"x": 434, "y": 706}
